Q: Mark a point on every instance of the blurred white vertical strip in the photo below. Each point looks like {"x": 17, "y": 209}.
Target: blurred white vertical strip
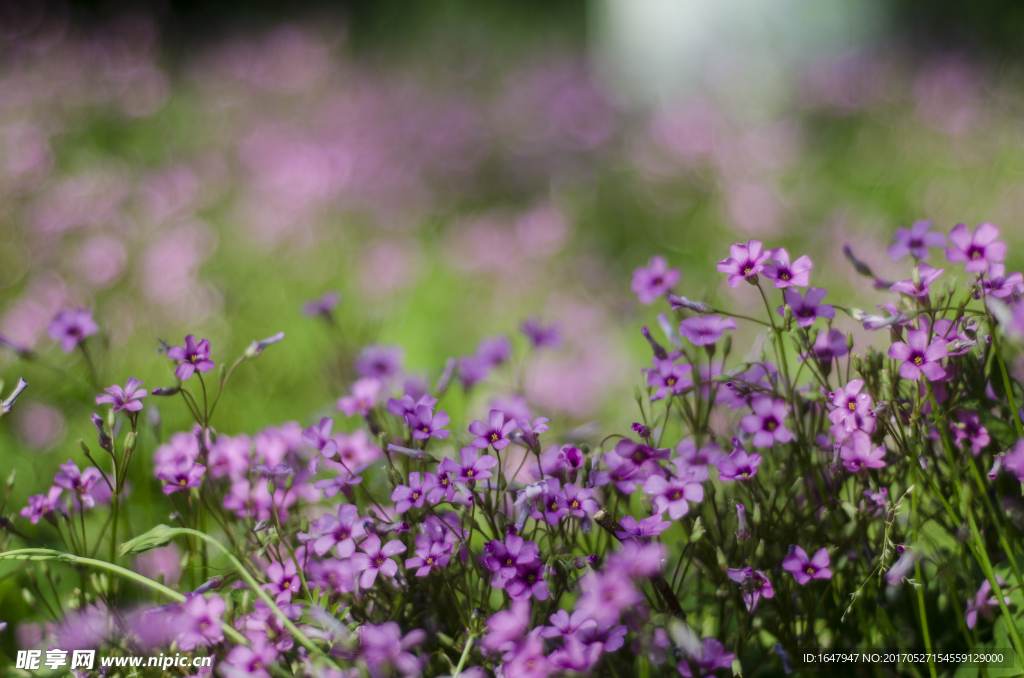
{"x": 747, "y": 51}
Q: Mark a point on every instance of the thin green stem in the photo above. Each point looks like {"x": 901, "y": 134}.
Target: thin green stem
{"x": 49, "y": 554}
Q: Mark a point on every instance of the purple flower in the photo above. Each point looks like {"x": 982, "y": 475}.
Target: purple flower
{"x": 999, "y": 285}
{"x": 494, "y": 351}
{"x": 532, "y": 430}
{"x": 637, "y": 457}
{"x": 202, "y": 622}
{"x": 379, "y": 362}
{"x": 858, "y": 454}
{"x": 708, "y": 455}
{"x": 414, "y": 493}
{"x": 785, "y": 274}
{"x": 193, "y": 357}
{"x": 806, "y": 308}
{"x": 740, "y": 466}
{"x": 471, "y": 466}
{"x": 502, "y": 558}
{"x": 127, "y": 398}
{"x": 41, "y": 504}
{"x": 541, "y": 335}
{"x": 766, "y": 421}
{"x": 754, "y": 584}
{"x": 528, "y": 581}
{"x": 472, "y": 371}
{"x": 323, "y": 305}
{"x": 673, "y": 494}
{"x": 563, "y": 624}
{"x": 319, "y": 438}
{"x": 494, "y": 433}
{"x": 915, "y": 241}
{"x": 71, "y": 326}
{"x": 624, "y": 473}
{"x": 550, "y": 503}
{"x": 429, "y": 555}
{"x": 977, "y": 250}
{"x": 830, "y": 345}
{"x": 919, "y": 356}
{"x": 702, "y": 330}
{"x": 79, "y": 482}
{"x": 180, "y": 473}
{"x": 744, "y": 262}
{"x": 375, "y": 558}
{"x": 577, "y": 501}
{"x": 644, "y": 530}
{"x": 605, "y": 595}
{"x": 709, "y": 658}
{"x": 983, "y": 602}
{"x": 327, "y": 532}
{"x": 805, "y": 569}
{"x": 425, "y": 424}
{"x": 853, "y": 408}
{"x": 969, "y": 429}
{"x": 653, "y": 281}
{"x": 507, "y": 628}
{"x": 284, "y": 580}
{"x": 920, "y": 285}
{"x": 363, "y": 397}
{"x": 252, "y": 661}
{"x": 669, "y": 377}
{"x": 386, "y": 651}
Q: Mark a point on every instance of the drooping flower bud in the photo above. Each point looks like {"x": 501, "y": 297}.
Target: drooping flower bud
{"x": 743, "y": 531}
{"x": 659, "y": 350}
{"x": 8, "y": 403}
{"x": 256, "y": 348}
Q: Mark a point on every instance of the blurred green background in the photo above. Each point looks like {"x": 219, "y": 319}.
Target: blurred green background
{"x": 452, "y": 168}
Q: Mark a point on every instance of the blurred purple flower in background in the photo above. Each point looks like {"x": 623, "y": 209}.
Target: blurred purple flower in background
{"x": 654, "y": 280}
{"x": 915, "y": 241}
{"x": 705, "y": 329}
{"x": 71, "y": 327}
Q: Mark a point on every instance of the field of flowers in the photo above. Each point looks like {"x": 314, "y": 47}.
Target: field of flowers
{"x": 320, "y": 363}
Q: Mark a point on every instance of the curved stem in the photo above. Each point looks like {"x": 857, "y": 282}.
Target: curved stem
{"x": 258, "y": 590}
{"x": 49, "y": 554}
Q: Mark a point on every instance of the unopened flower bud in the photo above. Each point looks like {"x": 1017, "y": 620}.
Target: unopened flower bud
{"x": 129, "y": 442}
{"x": 787, "y": 313}
{"x": 743, "y": 531}
{"x": 641, "y": 430}
{"x": 698, "y": 530}
{"x": 446, "y": 376}
{"x": 682, "y": 302}
{"x": 849, "y": 341}
{"x": 7, "y": 404}
{"x": 256, "y": 348}
{"x": 211, "y": 584}
{"x": 11, "y": 478}
{"x": 579, "y": 563}
{"x": 593, "y": 559}
{"x": 760, "y": 549}
{"x": 727, "y": 345}
{"x": 104, "y": 439}
{"x": 166, "y": 390}
{"x": 659, "y": 350}
{"x": 958, "y": 345}
{"x": 262, "y": 525}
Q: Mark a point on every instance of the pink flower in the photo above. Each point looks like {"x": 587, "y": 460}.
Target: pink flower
{"x": 858, "y": 454}
{"x": 193, "y": 356}
{"x": 805, "y": 569}
{"x": 785, "y": 274}
{"x": 915, "y": 241}
{"x": 127, "y": 398}
{"x": 922, "y": 285}
{"x": 653, "y": 281}
{"x": 919, "y": 357}
{"x": 375, "y": 558}
{"x": 363, "y": 397}
{"x": 744, "y": 262}
{"x": 766, "y": 421}
{"x": 977, "y": 250}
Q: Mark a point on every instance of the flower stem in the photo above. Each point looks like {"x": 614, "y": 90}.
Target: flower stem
{"x": 465, "y": 656}
{"x": 978, "y": 547}
{"x": 48, "y": 554}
